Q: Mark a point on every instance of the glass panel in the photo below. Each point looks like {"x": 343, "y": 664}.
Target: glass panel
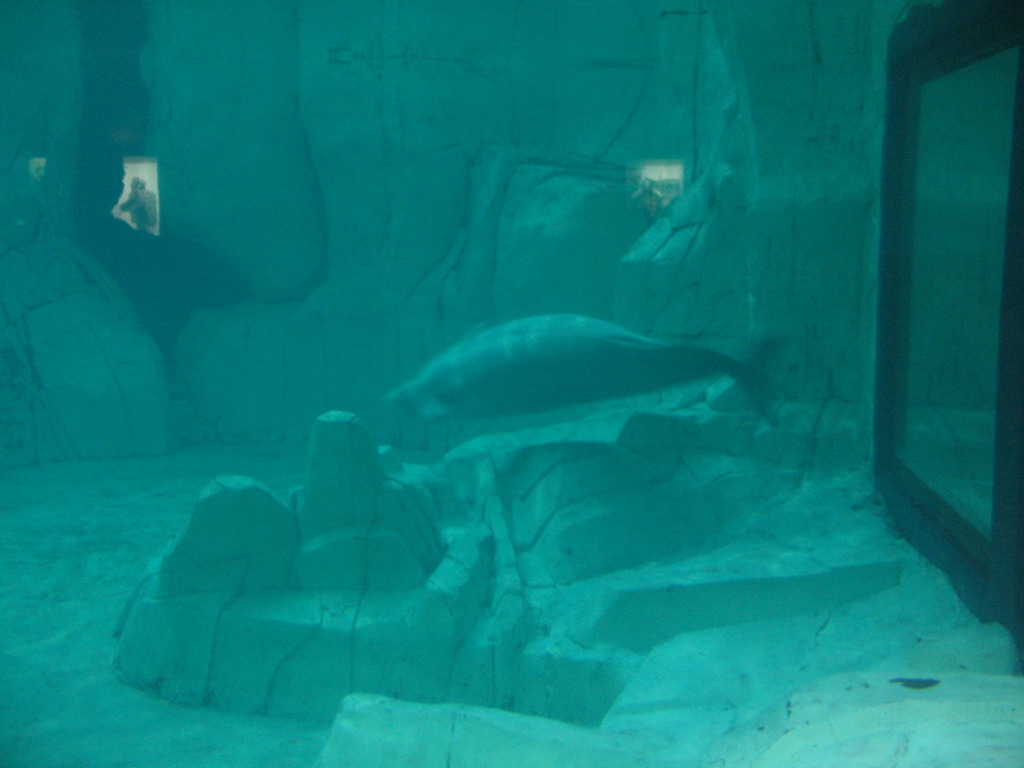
{"x": 957, "y": 239}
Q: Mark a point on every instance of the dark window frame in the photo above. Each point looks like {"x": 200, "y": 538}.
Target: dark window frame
{"x": 988, "y": 572}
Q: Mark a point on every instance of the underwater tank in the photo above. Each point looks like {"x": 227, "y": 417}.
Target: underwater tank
{"x": 442, "y": 384}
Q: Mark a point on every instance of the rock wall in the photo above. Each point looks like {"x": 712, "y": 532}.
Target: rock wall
{"x": 421, "y": 130}
{"x": 387, "y": 176}
{"x": 401, "y": 107}
{"x": 78, "y": 376}
{"x": 235, "y": 172}
{"x": 469, "y": 164}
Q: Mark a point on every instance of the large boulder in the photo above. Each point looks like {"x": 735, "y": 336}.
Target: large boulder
{"x": 79, "y": 378}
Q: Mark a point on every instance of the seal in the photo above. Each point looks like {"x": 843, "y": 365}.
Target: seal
{"x": 545, "y": 362}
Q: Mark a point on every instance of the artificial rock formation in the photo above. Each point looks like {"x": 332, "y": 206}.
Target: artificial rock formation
{"x": 870, "y": 718}
{"x": 375, "y": 732}
{"x": 283, "y": 608}
{"x": 79, "y": 378}
{"x": 664, "y": 572}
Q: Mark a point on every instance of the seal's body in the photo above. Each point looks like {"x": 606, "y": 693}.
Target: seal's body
{"x": 550, "y": 361}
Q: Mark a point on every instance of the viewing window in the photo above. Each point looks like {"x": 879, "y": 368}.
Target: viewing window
{"x": 949, "y": 448}
{"x": 139, "y": 204}
{"x": 655, "y": 183}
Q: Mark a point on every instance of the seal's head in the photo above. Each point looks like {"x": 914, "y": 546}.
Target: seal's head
{"x": 416, "y": 401}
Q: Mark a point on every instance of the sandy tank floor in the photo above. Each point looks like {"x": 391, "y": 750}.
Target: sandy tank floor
{"x": 74, "y": 541}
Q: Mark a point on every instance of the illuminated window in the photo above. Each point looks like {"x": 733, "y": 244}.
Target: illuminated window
{"x": 139, "y": 204}
{"x": 655, "y": 183}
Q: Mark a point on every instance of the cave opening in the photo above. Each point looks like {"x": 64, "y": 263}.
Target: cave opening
{"x": 165, "y": 278}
